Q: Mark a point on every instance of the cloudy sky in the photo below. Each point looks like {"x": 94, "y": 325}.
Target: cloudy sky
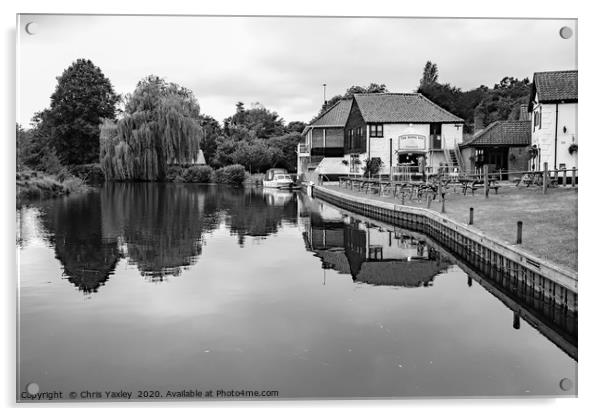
{"x": 283, "y": 62}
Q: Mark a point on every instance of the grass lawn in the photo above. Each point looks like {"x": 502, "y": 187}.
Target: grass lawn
{"x": 549, "y": 221}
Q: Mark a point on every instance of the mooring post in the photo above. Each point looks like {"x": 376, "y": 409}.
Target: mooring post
{"x": 545, "y": 177}
{"x": 442, "y": 204}
{"x": 574, "y": 178}
{"x": 516, "y": 320}
{"x": 486, "y": 180}
{"x": 564, "y": 177}
{"x": 519, "y": 232}
{"x": 471, "y": 216}
{"x": 403, "y": 198}
{"x": 428, "y": 199}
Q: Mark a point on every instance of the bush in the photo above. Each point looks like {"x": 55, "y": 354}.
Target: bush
{"x": 373, "y": 166}
{"x": 198, "y": 174}
{"x": 232, "y": 175}
{"x": 31, "y": 184}
{"x": 91, "y": 173}
{"x": 174, "y": 173}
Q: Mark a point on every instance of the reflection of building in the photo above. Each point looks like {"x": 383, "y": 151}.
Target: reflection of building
{"x": 372, "y": 255}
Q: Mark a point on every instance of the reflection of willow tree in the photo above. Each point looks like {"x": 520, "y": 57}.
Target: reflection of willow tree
{"x": 162, "y": 225}
{"x": 250, "y": 213}
{"x": 75, "y": 230}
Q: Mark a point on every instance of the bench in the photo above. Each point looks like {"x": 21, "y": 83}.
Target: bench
{"x": 478, "y": 184}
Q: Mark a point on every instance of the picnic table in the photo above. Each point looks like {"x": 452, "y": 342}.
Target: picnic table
{"x": 476, "y": 184}
{"x": 412, "y": 189}
{"x": 535, "y": 178}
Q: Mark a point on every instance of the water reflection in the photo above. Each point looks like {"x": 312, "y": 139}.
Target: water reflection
{"x": 75, "y": 229}
{"x": 381, "y": 254}
{"x": 158, "y": 228}
{"x": 400, "y": 315}
{"x": 368, "y": 253}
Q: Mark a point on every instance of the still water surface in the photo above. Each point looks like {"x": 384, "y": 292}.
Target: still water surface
{"x": 170, "y": 287}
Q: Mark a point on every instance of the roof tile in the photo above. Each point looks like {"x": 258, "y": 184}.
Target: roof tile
{"x": 402, "y": 108}
{"x": 335, "y": 116}
{"x": 502, "y": 133}
{"x": 556, "y": 86}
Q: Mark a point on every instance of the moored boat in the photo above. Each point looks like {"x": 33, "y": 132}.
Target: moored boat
{"x": 280, "y": 179}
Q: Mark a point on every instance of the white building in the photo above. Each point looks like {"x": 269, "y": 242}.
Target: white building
{"x": 553, "y": 107}
{"x": 401, "y": 129}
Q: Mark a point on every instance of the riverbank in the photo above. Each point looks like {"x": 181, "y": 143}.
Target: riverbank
{"x": 33, "y": 184}
{"x": 549, "y": 221}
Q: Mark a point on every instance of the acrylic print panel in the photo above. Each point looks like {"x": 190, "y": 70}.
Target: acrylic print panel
{"x": 159, "y": 261}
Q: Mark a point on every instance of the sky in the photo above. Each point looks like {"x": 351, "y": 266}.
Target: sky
{"x": 282, "y": 62}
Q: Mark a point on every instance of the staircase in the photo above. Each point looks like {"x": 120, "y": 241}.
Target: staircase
{"x": 454, "y": 159}
{"x": 459, "y": 158}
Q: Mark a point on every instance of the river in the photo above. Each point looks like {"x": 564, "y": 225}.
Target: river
{"x": 168, "y": 287}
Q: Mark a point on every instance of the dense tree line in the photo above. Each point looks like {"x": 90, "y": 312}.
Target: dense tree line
{"x": 258, "y": 139}
{"x": 479, "y": 106}
{"x": 160, "y": 124}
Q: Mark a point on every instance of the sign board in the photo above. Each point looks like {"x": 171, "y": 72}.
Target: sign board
{"x": 412, "y": 142}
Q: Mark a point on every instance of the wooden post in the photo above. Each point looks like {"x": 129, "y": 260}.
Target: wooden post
{"x": 403, "y": 198}
{"x": 500, "y": 175}
{"x": 519, "y": 232}
{"x": 471, "y": 216}
{"x": 428, "y": 199}
{"x": 564, "y": 177}
{"x": 545, "y": 177}
{"x": 574, "y": 178}
{"x": 516, "y": 320}
{"x": 486, "y": 180}
{"x": 442, "y": 204}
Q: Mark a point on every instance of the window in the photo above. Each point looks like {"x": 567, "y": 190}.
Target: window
{"x": 536, "y": 119}
{"x": 376, "y": 130}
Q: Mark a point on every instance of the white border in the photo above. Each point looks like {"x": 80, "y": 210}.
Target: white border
{"x": 589, "y": 125}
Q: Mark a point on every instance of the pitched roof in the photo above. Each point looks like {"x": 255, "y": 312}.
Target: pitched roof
{"x": 502, "y": 133}
{"x": 400, "y": 273}
{"x": 335, "y": 116}
{"x": 402, "y": 108}
{"x": 555, "y": 86}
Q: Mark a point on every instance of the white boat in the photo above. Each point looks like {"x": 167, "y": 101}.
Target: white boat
{"x": 280, "y": 179}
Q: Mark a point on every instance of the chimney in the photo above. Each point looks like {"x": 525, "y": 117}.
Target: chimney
{"x": 524, "y": 113}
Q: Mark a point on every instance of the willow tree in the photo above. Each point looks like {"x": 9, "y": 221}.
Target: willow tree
{"x": 159, "y": 127}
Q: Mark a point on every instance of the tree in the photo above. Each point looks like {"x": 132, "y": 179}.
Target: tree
{"x": 82, "y": 99}
{"x": 263, "y": 122}
{"x": 211, "y": 132}
{"x": 284, "y": 151}
{"x": 502, "y": 102}
{"x": 430, "y": 74}
{"x": 159, "y": 127}
{"x": 480, "y": 106}
{"x": 296, "y": 126}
